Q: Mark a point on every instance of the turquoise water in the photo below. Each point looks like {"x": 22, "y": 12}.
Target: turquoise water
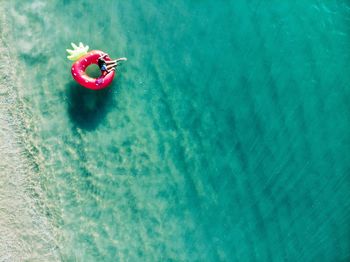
{"x": 224, "y": 137}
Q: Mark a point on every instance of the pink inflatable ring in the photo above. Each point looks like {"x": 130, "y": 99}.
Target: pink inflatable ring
{"x": 79, "y": 74}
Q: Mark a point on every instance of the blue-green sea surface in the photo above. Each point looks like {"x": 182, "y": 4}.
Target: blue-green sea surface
{"x": 224, "y": 137}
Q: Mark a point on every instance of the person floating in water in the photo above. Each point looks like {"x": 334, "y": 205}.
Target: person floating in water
{"x": 108, "y": 66}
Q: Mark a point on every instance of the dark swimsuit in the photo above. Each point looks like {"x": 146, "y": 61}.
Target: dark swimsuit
{"x": 102, "y": 64}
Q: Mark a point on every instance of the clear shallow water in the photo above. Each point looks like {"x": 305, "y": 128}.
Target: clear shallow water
{"x": 224, "y": 137}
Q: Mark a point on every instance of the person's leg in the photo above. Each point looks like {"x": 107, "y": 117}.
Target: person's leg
{"x": 121, "y": 59}
{"x": 111, "y": 66}
{"x": 111, "y": 62}
{"x": 109, "y": 70}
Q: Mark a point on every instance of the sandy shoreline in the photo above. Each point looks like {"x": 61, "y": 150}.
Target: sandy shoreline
{"x": 25, "y": 232}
